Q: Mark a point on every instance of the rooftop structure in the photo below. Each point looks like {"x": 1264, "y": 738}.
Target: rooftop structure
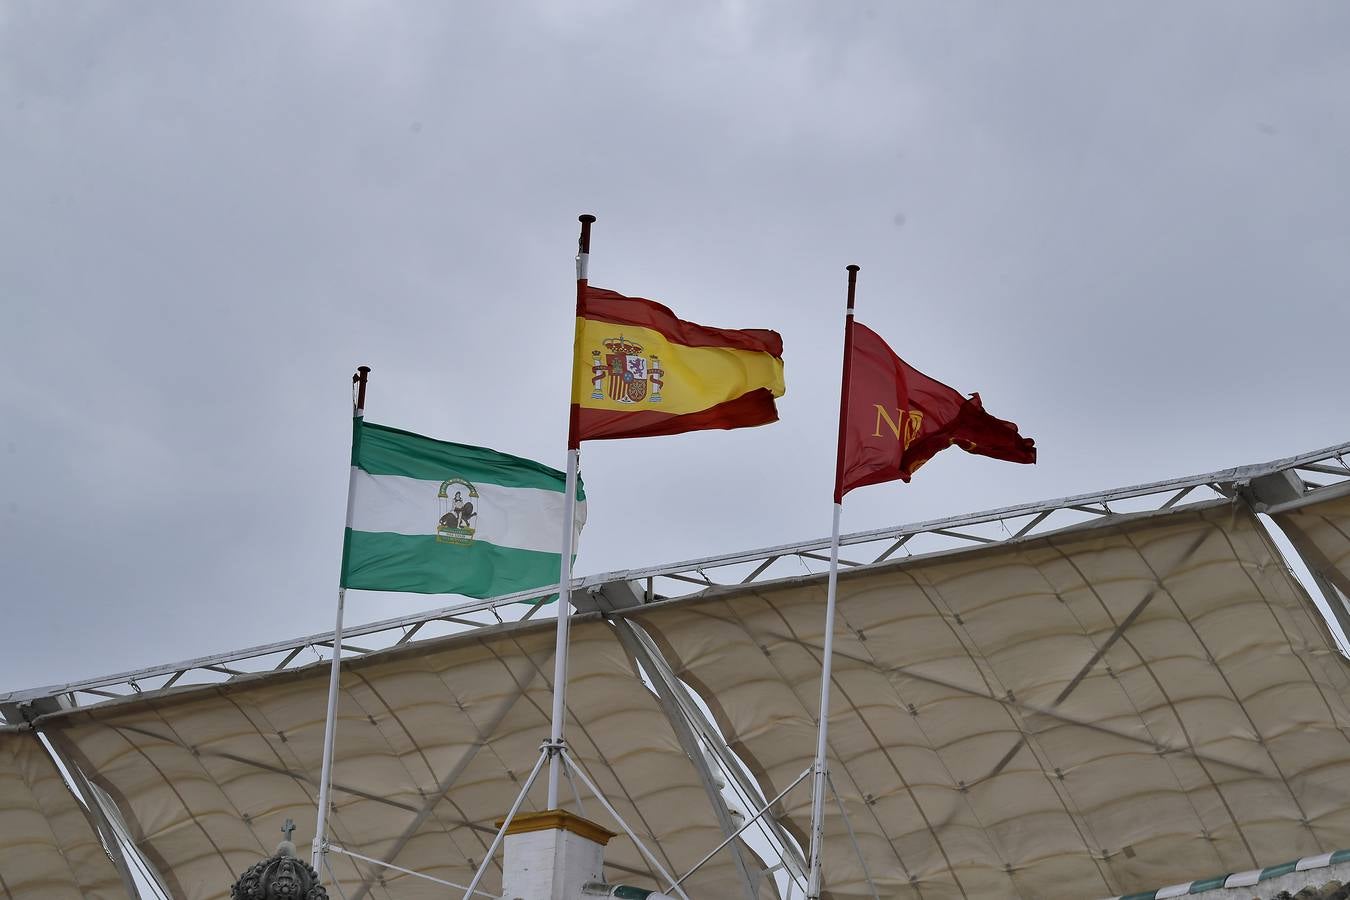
{"x": 1086, "y": 697}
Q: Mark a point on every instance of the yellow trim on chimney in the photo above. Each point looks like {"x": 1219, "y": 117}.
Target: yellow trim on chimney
{"x": 560, "y": 819}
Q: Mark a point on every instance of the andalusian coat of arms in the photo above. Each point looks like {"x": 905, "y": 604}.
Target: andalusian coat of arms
{"x": 624, "y": 374}
{"x": 459, "y": 512}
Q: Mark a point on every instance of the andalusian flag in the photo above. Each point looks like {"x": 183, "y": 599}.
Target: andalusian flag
{"x": 439, "y": 518}
{"x": 640, "y": 371}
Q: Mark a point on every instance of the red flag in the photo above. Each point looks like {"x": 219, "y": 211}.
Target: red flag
{"x": 897, "y": 418}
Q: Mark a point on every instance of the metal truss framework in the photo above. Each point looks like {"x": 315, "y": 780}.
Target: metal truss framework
{"x": 1267, "y": 485}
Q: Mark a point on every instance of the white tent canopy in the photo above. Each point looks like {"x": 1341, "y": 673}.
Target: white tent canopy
{"x": 1115, "y": 707}
{"x": 433, "y": 740}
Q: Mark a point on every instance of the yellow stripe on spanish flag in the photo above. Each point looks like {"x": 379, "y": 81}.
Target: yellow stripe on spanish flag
{"x": 640, "y": 371}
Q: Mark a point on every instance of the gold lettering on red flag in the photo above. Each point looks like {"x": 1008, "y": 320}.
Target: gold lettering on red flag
{"x": 912, "y": 420}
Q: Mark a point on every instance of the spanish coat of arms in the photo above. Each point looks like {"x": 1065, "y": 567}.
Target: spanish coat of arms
{"x": 625, "y": 374}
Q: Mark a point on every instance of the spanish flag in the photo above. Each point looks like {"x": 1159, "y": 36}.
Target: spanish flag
{"x": 640, "y": 371}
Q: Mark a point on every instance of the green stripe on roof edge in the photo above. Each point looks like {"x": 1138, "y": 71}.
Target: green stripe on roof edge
{"x": 1277, "y": 871}
{"x": 1208, "y": 884}
{"x": 1218, "y": 881}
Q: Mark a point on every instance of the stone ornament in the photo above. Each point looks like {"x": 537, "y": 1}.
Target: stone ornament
{"x": 280, "y": 877}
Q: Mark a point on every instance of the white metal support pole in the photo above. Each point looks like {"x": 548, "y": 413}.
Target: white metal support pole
{"x": 819, "y": 777}
{"x": 506, "y": 823}
{"x": 555, "y": 745}
{"x": 627, "y": 829}
{"x": 334, "y": 848}
{"x": 329, "y": 733}
{"x": 737, "y": 833}
{"x": 818, "y": 787}
{"x": 330, "y": 721}
{"x": 555, "y": 762}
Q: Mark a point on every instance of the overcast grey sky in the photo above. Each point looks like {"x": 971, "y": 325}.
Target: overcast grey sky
{"x": 1124, "y": 224}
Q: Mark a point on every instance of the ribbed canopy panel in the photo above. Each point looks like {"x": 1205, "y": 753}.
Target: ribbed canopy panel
{"x": 1084, "y": 714}
{"x": 48, "y": 848}
{"x": 1321, "y": 533}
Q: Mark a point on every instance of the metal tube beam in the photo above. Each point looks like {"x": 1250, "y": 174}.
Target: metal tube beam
{"x": 737, "y": 833}
{"x": 544, "y": 755}
{"x": 626, "y": 632}
{"x": 97, "y": 816}
{"x": 715, "y": 742}
{"x": 388, "y": 865}
{"x": 632, "y": 835}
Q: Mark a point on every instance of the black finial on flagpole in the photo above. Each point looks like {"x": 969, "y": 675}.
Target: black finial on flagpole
{"x": 585, "y": 243}
{"x": 852, "y": 283}
{"x": 359, "y": 379}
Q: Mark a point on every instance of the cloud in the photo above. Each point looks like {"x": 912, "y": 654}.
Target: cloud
{"x": 1122, "y": 227}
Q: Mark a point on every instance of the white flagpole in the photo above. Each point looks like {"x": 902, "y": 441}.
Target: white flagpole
{"x": 330, "y": 722}
{"x": 556, "y": 762}
{"x": 820, "y": 778}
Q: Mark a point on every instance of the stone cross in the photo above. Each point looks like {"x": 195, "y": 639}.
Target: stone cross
{"x": 288, "y": 828}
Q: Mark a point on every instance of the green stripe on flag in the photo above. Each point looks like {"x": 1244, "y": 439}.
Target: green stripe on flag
{"x": 423, "y": 565}
{"x": 381, "y": 450}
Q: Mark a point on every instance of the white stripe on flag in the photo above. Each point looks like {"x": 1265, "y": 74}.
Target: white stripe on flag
{"x": 524, "y": 518}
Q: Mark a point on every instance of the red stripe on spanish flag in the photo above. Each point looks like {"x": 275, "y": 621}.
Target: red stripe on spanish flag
{"x": 641, "y": 371}
{"x": 616, "y": 309}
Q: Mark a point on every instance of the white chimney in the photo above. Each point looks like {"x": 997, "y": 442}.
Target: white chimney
{"x": 551, "y": 855}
